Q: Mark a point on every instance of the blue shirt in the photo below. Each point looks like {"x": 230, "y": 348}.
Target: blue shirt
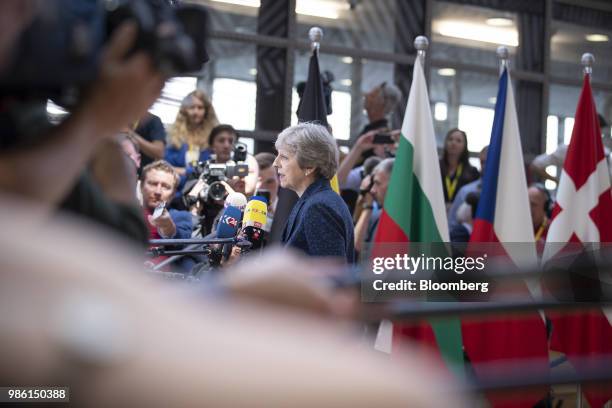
{"x": 320, "y": 223}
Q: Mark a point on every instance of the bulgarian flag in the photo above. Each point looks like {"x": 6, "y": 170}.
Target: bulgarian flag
{"x": 414, "y": 211}
{"x": 583, "y": 215}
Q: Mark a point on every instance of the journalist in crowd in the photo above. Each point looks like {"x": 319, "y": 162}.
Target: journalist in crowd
{"x": 320, "y": 223}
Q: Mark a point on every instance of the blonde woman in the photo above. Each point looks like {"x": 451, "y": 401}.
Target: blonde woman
{"x": 188, "y": 136}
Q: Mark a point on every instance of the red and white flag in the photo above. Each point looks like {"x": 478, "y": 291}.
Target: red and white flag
{"x": 583, "y": 214}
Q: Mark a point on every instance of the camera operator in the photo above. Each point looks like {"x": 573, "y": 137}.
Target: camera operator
{"x": 230, "y": 169}
{"x": 125, "y": 87}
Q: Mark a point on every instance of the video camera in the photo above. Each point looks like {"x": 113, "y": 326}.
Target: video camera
{"x": 213, "y": 173}
{"x": 58, "y": 55}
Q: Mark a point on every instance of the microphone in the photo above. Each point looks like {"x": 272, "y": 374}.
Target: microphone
{"x": 237, "y": 200}
{"x": 229, "y": 222}
{"x": 254, "y": 221}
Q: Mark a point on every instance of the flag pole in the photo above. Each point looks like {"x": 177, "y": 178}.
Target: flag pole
{"x": 504, "y": 55}
{"x": 587, "y": 61}
{"x": 316, "y": 35}
{"x": 421, "y": 43}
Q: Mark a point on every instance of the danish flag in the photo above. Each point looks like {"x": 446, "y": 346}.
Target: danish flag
{"x": 583, "y": 215}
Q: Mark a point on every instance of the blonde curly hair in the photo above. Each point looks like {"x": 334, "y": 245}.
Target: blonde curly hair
{"x": 180, "y": 132}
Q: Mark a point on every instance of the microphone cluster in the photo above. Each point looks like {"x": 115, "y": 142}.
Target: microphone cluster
{"x": 244, "y": 220}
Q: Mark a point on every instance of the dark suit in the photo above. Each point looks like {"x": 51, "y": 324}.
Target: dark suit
{"x": 320, "y": 223}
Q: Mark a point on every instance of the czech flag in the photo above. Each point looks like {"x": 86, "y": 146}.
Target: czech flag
{"x": 502, "y": 345}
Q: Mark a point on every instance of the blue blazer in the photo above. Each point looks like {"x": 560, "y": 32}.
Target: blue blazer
{"x": 176, "y": 157}
{"x": 183, "y": 222}
{"x": 320, "y": 223}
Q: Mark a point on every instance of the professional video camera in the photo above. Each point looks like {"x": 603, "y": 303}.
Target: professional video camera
{"x": 57, "y": 57}
{"x": 213, "y": 173}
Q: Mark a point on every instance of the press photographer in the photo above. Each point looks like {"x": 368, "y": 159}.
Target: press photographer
{"x": 230, "y": 169}
{"x": 106, "y": 66}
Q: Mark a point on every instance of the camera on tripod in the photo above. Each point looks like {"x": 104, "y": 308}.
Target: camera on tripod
{"x": 214, "y": 173}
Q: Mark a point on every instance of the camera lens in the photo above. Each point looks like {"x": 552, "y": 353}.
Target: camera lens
{"x": 216, "y": 191}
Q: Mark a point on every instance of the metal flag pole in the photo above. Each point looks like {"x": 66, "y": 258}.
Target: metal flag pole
{"x": 503, "y": 54}
{"x": 587, "y": 61}
{"x": 316, "y": 35}
{"x": 421, "y": 43}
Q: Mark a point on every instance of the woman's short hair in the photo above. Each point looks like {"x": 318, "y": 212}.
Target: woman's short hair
{"x": 313, "y": 146}
{"x": 220, "y": 129}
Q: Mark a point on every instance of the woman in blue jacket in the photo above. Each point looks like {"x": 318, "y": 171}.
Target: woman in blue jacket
{"x": 188, "y": 136}
{"x": 320, "y": 223}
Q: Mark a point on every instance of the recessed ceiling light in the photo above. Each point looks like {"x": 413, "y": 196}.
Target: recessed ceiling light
{"x": 253, "y": 71}
{"x": 500, "y": 22}
{"x": 247, "y": 3}
{"x": 478, "y": 32}
{"x": 597, "y": 38}
{"x": 346, "y": 82}
{"x": 347, "y": 60}
{"x": 447, "y": 72}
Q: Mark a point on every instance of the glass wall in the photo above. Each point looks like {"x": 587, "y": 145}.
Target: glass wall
{"x": 368, "y": 42}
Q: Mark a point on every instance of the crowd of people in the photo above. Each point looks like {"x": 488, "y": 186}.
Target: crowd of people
{"x": 113, "y": 163}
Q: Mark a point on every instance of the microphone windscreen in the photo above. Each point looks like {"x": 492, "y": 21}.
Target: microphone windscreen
{"x": 237, "y": 200}
{"x": 228, "y": 222}
{"x": 259, "y": 198}
{"x": 255, "y": 214}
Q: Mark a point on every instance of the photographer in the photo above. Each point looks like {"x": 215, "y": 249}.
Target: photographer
{"x": 379, "y": 142}
{"x": 230, "y": 169}
{"x": 125, "y": 88}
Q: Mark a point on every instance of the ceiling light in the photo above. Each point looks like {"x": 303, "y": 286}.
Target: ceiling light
{"x": 500, "y": 22}
{"x": 347, "y": 60}
{"x": 597, "y": 37}
{"x": 346, "y": 82}
{"x": 315, "y": 8}
{"x": 447, "y": 72}
{"x": 478, "y": 32}
{"x": 321, "y": 8}
{"x": 247, "y": 3}
{"x": 253, "y": 71}
{"x": 440, "y": 111}
{"x": 492, "y": 100}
